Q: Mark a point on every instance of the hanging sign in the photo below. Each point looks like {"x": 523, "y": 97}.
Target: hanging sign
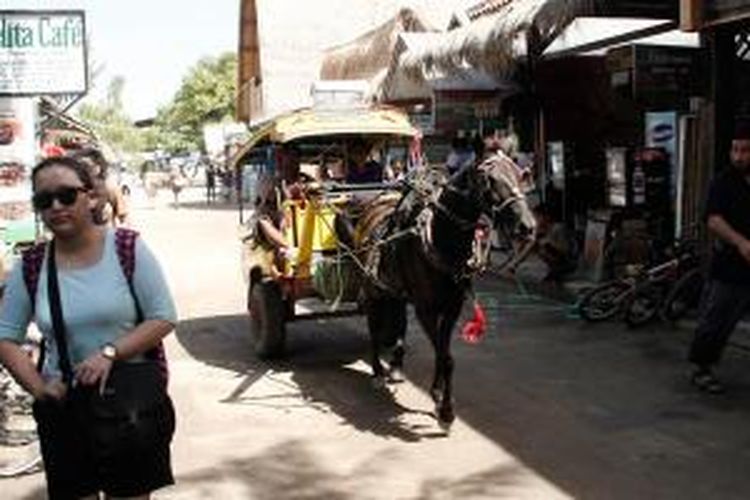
{"x": 42, "y": 52}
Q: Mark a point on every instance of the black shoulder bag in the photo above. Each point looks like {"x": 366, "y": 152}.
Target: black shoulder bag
{"x": 134, "y": 409}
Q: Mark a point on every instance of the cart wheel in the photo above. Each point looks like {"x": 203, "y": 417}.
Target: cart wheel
{"x": 267, "y": 314}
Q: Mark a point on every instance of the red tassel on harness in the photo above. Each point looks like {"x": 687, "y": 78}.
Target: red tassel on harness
{"x": 476, "y": 327}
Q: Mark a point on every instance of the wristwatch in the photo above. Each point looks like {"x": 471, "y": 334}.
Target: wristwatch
{"x": 109, "y": 351}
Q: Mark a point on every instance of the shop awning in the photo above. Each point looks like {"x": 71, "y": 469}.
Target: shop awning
{"x": 594, "y": 35}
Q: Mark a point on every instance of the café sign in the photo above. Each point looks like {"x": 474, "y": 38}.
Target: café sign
{"x": 42, "y": 52}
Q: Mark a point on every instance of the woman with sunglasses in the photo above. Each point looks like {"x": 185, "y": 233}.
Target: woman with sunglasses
{"x": 99, "y": 314}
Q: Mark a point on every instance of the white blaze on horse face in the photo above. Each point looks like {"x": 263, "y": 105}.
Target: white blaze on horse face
{"x": 505, "y": 179}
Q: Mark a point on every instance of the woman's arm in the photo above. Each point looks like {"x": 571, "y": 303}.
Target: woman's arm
{"x": 142, "y": 338}
{"x": 20, "y": 365}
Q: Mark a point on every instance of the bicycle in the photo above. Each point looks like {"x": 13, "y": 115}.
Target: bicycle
{"x": 684, "y": 296}
{"x": 640, "y": 295}
{"x": 20, "y": 453}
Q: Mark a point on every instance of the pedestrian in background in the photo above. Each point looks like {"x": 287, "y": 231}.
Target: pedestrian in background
{"x": 111, "y": 206}
{"x": 210, "y": 184}
{"x": 104, "y": 418}
{"x": 727, "y": 299}
{"x": 177, "y": 182}
{"x": 462, "y": 154}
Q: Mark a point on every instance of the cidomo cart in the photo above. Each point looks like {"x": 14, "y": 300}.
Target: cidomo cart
{"x": 320, "y": 276}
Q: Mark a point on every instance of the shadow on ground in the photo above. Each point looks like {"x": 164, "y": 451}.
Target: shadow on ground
{"x": 599, "y": 411}
{"x": 291, "y": 470}
{"x": 320, "y": 358}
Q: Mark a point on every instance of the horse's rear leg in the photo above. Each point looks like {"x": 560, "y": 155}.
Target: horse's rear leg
{"x": 374, "y": 325}
{"x": 398, "y": 323}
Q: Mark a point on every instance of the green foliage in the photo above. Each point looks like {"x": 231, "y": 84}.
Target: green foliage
{"x": 207, "y": 95}
{"x": 110, "y": 122}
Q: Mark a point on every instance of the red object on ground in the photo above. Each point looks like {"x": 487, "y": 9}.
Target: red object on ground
{"x": 476, "y": 327}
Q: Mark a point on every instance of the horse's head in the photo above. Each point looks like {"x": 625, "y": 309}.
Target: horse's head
{"x": 501, "y": 191}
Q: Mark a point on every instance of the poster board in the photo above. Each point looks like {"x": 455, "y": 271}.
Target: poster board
{"x": 42, "y": 52}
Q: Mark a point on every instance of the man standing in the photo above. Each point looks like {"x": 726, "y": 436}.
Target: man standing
{"x": 210, "y": 184}
{"x": 728, "y": 296}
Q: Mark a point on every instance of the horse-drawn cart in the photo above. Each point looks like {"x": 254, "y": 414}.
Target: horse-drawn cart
{"x": 308, "y": 173}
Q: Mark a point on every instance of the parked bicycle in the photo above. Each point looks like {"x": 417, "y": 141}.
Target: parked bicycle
{"x": 684, "y": 296}
{"x": 645, "y": 292}
{"x": 20, "y": 453}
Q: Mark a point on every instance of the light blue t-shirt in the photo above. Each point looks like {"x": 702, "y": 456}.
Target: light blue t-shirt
{"x": 96, "y": 302}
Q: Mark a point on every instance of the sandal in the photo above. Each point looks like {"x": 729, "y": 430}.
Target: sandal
{"x": 707, "y": 382}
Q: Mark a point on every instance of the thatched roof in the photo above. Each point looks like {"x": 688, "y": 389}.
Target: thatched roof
{"x": 497, "y": 36}
{"x": 400, "y": 83}
{"x": 364, "y": 57}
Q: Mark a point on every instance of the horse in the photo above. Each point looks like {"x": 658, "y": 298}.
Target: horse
{"x": 416, "y": 251}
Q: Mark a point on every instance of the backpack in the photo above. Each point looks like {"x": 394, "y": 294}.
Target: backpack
{"x": 33, "y": 259}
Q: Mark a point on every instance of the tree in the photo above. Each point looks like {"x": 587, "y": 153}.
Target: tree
{"x": 110, "y": 122}
{"x": 207, "y": 95}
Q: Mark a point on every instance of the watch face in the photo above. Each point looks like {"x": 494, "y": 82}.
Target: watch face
{"x": 109, "y": 351}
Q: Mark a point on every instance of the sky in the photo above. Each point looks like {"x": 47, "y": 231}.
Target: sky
{"x": 151, "y": 43}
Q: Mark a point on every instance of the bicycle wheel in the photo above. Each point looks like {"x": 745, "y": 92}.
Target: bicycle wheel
{"x": 644, "y": 305}
{"x": 604, "y": 302}
{"x": 19, "y": 444}
{"x": 20, "y": 452}
{"x": 684, "y": 295}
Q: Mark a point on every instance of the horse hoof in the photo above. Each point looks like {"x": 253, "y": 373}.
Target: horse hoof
{"x": 396, "y": 376}
{"x": 445, "y": 426}
{"x": 378, "y": 383}
{"x": 445, "y": 416}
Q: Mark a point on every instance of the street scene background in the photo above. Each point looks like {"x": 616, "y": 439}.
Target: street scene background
{"x": 548, "y": 407}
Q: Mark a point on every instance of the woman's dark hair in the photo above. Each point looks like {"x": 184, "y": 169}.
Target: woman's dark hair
{"x": 67, "y": 162}
{"x": 93, "y": 156}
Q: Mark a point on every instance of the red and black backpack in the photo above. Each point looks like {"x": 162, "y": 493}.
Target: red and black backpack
{"x": 125, "y": 239}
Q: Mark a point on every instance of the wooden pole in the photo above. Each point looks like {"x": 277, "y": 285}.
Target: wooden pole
{"x": 691, "y": 15}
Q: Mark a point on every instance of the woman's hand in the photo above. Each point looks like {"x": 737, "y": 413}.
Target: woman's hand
{"x": 94, "y": 370}
{"x": 54, "y": 389}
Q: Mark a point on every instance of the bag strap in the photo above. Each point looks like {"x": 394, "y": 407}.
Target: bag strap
{"x": 58, "y": 323}
{"x": 125, "y": 242}
{"x": 32, "y": 261}
{"x": 125, "y": 247}
{"x": 31, "y": 266}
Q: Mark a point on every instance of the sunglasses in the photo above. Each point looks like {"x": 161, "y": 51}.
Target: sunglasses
{"x": 65, "y": 195}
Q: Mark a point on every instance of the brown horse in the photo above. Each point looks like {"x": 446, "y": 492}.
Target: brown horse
{"x": 417, "y": 250}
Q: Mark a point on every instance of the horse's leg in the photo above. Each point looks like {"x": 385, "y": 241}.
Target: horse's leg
{"x": 429, "y": 321}
{"x": 398, "y": 321}
{"x": 444, "y": 359}
{"x": 375, "y": 316}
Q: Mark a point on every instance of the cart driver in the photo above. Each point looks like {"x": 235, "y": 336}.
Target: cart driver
{"x": 269, "y": 218}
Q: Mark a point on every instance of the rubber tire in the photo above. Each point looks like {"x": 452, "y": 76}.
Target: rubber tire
{"x": 588, "y": 309}
{"x": 650, "y": 297}
{"x": 267, "y": 319}
{"x": 688, "y": 289}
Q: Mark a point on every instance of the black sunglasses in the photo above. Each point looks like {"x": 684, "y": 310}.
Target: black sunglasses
{"x": 65, "y": 195}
